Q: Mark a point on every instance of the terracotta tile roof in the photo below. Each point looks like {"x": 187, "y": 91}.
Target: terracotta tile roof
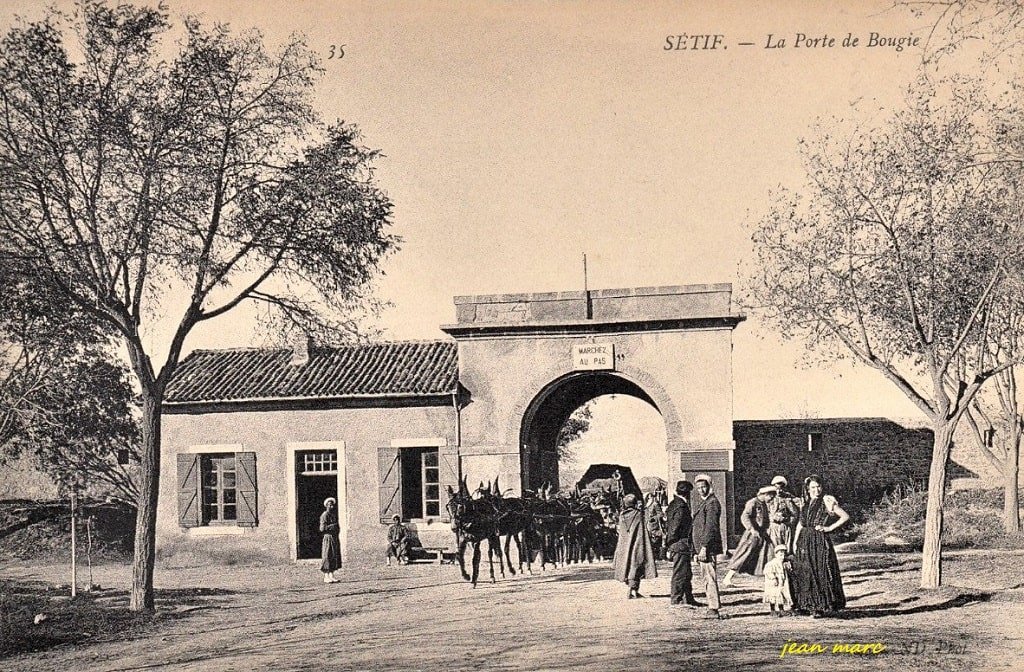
{"x": 360, "y": 370}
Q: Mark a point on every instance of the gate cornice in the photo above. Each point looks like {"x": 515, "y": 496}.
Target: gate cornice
{"x": 539, "y": 328}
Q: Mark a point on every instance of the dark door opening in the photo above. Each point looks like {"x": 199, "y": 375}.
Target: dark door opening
{"x": 315, "y": 481}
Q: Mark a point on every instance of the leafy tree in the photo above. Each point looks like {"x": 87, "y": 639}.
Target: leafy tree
{"x": 894, "y": 253}
{"x": 64, "y": 397}
{"x": 153, "y": 189}
{"x": 575, "y": 427}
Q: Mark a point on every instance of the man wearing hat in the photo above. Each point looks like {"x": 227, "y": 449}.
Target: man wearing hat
{"x": 754, "y": 549}
{"x": 398, "y": 541}
{"x": 679, "y": 545}
{"x": 706, "y": 536}
{"x": 782, "y": 515}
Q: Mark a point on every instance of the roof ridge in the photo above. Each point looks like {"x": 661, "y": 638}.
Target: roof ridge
{"x": 283, "y": 348}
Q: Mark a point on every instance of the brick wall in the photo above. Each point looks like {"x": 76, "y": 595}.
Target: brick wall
{"x": 859, "y": 458}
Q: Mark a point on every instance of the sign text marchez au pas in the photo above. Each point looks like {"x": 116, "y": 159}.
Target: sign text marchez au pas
{"x": 593, "y": 357}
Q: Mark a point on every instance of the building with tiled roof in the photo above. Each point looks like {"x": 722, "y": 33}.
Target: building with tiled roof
{"x": 361, "y": 370}
{"x": 254, "y": 440}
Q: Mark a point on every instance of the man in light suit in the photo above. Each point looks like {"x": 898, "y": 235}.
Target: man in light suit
{"x": 707, "y": 539}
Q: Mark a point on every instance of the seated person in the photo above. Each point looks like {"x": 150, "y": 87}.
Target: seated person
{"x": 398, "y": 542}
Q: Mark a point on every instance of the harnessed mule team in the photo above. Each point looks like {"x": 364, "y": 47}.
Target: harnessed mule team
{"x": 559, "y": 528}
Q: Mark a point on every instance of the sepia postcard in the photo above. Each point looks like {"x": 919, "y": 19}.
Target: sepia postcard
{"x": 541, "y": 335}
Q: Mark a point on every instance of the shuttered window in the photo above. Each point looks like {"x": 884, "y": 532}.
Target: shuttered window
{"x": 431, "y": 484}
{"x": 220, "y": 497}
{"x": 188, "y": 490}
{"x": 217, "y": 489}
{"x": 449, "y": 479}
{"x": 390, "y": 471}
{"x": 414, "y": 482}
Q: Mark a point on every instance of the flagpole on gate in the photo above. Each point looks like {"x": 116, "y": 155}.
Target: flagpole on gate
{"x": 586, "y": 290}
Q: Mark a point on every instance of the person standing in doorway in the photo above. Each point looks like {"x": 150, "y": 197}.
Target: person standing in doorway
{"x": 634, "y": 557}
{"x": 679, "y": 546}
{"x": 707, "y": 540}
{"x": 331, "y": 549}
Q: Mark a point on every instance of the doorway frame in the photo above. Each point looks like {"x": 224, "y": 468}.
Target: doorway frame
{"x": 291, "y": 450}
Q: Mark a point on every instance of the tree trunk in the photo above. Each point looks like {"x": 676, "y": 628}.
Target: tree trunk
{"x": 1011, "y": 483}
{"x": 145, "y": 519}
{"x": 931, "y": 557}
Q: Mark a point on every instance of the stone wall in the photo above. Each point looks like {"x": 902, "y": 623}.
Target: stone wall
{"x": 859, "y": 458}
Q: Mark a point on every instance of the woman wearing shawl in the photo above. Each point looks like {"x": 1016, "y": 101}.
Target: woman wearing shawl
{"x": 817, "y": 585}
{"x": 331, "y": 549}
{"x": 634, "y": 557}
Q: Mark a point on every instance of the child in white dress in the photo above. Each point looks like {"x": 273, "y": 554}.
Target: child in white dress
{"x": 776, "y": 583}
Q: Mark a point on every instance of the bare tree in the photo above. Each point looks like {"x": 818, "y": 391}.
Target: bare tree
{"x": 953, "y": 24}
{"x": 996, "y": 415}
{"x": 125, "y": 176}
{"x": 894, "y": 253}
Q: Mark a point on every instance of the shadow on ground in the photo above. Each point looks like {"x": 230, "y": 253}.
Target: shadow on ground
{"x": 89, "y": 618}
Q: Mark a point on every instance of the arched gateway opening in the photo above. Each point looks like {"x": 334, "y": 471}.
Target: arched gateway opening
{"x": 526, "y": 361}
{"x": 548, "y": 413}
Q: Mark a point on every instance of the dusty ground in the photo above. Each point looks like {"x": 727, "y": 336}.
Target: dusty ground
{"x": 425, "y": 617}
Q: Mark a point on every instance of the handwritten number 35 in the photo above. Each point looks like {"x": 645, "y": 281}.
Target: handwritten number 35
{"x": 337, "y": 51}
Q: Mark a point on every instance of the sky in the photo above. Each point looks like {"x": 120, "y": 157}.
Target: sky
{"x": 519, "y": 136}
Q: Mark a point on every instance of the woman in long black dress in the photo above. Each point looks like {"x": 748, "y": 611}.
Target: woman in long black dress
{"x": 331, "y": 549}
{"x": 817, "y": 585}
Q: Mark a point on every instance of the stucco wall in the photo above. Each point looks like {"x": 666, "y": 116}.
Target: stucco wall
{"x": 363, "y": 431}
{"x": 686, "y": 372}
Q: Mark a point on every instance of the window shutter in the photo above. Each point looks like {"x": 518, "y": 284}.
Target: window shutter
{"x": 188, "y": 490}
{"x": 390, "y": 483}
{"x": 245, "y": 488}
{"x": 449, "y": 476}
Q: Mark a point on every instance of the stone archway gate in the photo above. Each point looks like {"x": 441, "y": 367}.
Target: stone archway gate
{"x": 674, "y": 343}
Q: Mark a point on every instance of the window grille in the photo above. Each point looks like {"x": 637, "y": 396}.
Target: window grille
{"x": 431, "y": 483}
{"x": 320, "y": 462}
{"x": 220, "y": 504}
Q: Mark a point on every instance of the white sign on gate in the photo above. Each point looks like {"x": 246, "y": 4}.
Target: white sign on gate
{"x": 593, "y": 357}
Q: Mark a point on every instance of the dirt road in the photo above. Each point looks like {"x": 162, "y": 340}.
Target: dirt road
{"x": 425, "y": 617}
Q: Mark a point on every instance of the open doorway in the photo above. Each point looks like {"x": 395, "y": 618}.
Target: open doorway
{"x": 316, "y": 479}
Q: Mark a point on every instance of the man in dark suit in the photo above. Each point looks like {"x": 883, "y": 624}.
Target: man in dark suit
{"x": 707, "y": 539}
{"x": 677, "y": 541}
